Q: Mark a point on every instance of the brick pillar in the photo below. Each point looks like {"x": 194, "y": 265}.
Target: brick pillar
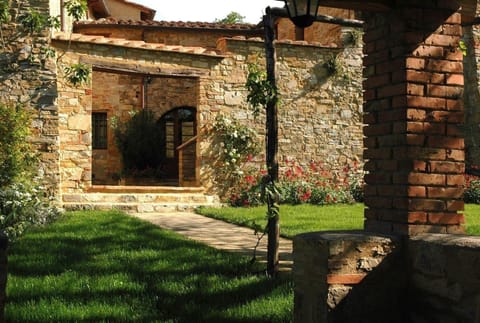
{"x": 413, "y": 113}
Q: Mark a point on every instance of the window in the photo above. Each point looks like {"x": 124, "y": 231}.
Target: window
{"x": 99, "y": 130}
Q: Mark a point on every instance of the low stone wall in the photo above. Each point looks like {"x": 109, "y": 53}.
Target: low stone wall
{"x": 444, "y": 278}
{"x": 356, "y": 277}
{"x": 347, "y": 277}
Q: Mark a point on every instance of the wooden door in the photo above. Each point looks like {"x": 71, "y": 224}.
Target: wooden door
{"x": 179, "y": 126}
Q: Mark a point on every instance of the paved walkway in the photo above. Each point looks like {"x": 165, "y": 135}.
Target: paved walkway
{"x": 219, "y": 234}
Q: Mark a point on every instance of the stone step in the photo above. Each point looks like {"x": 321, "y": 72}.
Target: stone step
{"x": 143, "y": 189}
{"x": 134, "y": 207}
{"x": 137, "y": 198}
{"x": 140, "y": 199}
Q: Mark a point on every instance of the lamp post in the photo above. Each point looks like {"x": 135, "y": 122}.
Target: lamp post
{"x": 302, "y": 13}
{"x": 273, "y": 226}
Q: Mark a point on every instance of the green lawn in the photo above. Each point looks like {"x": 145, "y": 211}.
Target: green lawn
{"x": 306, "y": 218}
{"x": 106, "y": 266}
{"x": 472, "y": 218}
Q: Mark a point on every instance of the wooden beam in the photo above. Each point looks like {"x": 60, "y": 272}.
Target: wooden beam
{"x": 282, "y": 12}
{"x": 365, "y": 5}
{"x": 468, "y": 9}
{"x": 137, "y": 69}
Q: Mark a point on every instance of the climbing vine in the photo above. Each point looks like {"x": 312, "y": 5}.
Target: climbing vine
{"x": 34, "y": 22}
{"x": 238, "y": 143}
{"x": 263, "y": 95}
{"x": 260, "y": 91}
{"x": 77, "y": 74}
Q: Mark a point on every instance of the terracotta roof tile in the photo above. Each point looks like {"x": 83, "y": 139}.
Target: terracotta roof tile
{"x": 168, "y": 24}
{"x": 284, "y": 41}
{"x": 61, "y": 36}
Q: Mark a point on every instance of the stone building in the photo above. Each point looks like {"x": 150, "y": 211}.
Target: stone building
{"x": 186, "y": 73}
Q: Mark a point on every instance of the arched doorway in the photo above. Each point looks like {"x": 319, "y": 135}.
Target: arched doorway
{"x": 178, "y": 126}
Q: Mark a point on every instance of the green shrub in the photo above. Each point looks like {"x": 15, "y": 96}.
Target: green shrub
{"x": 298, "y": 185}
{"x": 141, "y": 143}
{"x": 22, "y": 206}
{"x": 472, "y": 192}
{"x": 17, "y": 158}
{"x": 22, "y": 201}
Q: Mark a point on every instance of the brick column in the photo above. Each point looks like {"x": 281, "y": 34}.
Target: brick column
{"x": 413, "y": 112}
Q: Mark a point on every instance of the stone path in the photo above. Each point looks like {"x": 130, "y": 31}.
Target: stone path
{"x": 218, "y": 234}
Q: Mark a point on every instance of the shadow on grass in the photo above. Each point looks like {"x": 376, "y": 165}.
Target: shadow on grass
{"x": 106, "y": 266}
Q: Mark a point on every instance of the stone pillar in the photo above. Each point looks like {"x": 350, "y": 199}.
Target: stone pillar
{"x": 413, "y": 112}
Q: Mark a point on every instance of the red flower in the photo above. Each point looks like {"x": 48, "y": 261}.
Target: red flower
{"x": 299, "y": 170}
{"x": 289, "y": 173}
{"x": 306, "y": 196}
{"x": 250, "y": 179}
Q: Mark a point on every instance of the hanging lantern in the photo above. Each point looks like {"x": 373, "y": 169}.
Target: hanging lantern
{"x": 303, "y": 13}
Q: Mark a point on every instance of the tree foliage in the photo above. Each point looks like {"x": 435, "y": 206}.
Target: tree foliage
{"x": 232, "y": 18}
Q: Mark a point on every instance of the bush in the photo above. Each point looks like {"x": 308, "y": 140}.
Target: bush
{"x": 22, "y": 206}
{"x": 22, "y": 202}
{"x": 141, "y": 143}
{"x": 472, "y": 189}
{"x": 17, "y": 158}
{"x": 298, "y": 185}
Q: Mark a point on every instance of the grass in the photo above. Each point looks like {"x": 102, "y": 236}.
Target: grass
{"x": 106, "y": 266}
{"x": 295, "y": 219}
{"x": 472, "y": 218}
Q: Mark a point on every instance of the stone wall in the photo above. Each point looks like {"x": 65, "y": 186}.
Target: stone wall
{"x": 29, "y": 79}
{"x": 74, "y": 129}
{"x": 319, "y": 114}
{"x": 348, "y": 277}
{"x": 444, "y": 279}
{"x": 360, "y": 277}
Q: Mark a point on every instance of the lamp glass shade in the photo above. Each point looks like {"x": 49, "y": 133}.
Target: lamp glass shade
{"x": 302, "y": 12}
